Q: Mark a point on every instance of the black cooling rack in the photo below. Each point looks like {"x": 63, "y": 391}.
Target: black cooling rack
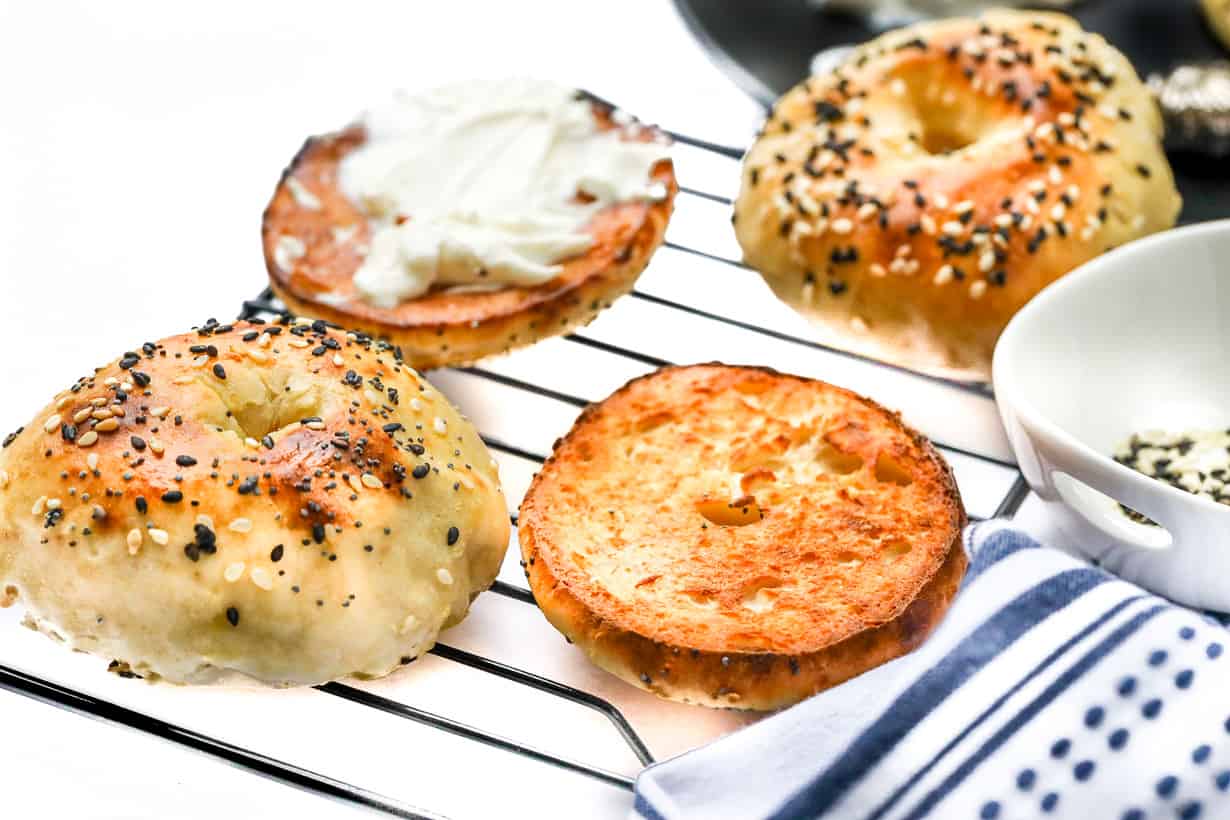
{"x": 265, "y": 305}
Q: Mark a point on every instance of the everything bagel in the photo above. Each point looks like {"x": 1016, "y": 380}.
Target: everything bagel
{"x": 316, "y": 238}
{"x": 282, "y": 500}
{"x": 915, "y": 198}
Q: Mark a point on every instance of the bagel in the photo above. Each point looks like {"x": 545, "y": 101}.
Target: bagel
{"x": 288, "y": 502}
{"x": 914, "y": 199}
{"x": 735, "y": 537}
{"x": 327, "y": 234}
{"x": 1217, "y": 13}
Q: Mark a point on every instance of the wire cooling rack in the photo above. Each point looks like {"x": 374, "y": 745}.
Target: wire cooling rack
{"x": 695, "y": 302}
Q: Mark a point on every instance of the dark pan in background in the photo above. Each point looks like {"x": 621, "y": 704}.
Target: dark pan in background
{"x": 766, "y": 47}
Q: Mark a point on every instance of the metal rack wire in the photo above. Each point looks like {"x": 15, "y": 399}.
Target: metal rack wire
{"x": 265, "y": 305}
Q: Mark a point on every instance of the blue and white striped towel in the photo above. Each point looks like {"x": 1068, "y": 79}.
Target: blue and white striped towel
{"x": 1050, "y": 689}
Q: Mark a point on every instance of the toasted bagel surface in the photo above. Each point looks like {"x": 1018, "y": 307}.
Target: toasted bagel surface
{"x": 737, "y": 537}
{"x": 289, "y": 502}
{"x": 445, "y": 326}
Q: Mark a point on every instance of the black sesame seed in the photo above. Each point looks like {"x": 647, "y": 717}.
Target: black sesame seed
{"x": 219, "y": 370}
{"x": 68, "y": 432}
{"x": 267, "y": 441}
{"x": 318, "y": 532}
{"x": 453, "y": 535}
{"x": 185, "y": 461}
{"x": 392, "y": 428}
{"x": 172, "y": 496}
{"x": 129, "y": 360}
{"x": 420, "y": 471}
{"x": 276, "y": 554}
{"x": 248, "y": 485}
{"x": 142, "y": 505}
{"x": 232, "y": 616}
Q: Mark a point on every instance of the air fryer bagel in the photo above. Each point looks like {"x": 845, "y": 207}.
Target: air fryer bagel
{"x": 315, "y": 238}
{"x": 914, "y": 199}
{"x": 736, "y": 537}
{"x": 290, "y": 502}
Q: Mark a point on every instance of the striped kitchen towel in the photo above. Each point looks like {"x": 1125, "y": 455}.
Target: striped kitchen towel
{"x": 1051, "y": 689}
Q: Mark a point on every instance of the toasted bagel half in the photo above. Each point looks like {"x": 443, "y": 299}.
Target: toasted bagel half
{"x": 446, "y": 326}
{"x": 737, "y": 537}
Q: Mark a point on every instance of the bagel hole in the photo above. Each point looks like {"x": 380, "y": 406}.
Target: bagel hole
{"x": 937, "y": 140}
{"x": 891, "y": 471}
{"x": 836, "y": 461}
{"x": 254, "y": 403}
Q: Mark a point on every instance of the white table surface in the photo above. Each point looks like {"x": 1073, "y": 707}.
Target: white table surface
{"x": 139, "y": 144}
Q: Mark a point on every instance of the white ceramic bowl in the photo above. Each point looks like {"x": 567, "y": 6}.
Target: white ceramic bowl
{"x": 1138, "y": 339}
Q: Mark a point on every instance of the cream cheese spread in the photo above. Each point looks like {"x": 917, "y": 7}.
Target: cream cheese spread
{"x": 476, "y": 184}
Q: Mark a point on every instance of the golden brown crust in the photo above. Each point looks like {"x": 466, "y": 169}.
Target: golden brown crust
{"x": 447, "y": 327}
{"x": 843, "y": 551}
{"x": 912, "y": 201}
{"x": 273, "y": 500}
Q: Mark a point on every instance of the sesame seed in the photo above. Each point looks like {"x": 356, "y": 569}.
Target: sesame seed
{"x": 52, "y": 423}
{"x": 159, "y": 537}
{"x": 439, "y": 425}
{"x": 842, "y": 226}
{"x": 240, "y": 525}
{"x": 87, "y": 439}
{"x": 156, "y": 447}
{"x": 261, "y": 577}
{"x": 233, "y": 571}
{"x": 943, "y": 275}
{"x": 372, "y": 482}
{"x": 134, "y": 540}
{"x": 40, "y": 504}
{"x": 977, "y": 289}
{"x": 91, "y": 461}
{"x": 444, "y": 576}
{"x": 160, "y": 412}
{"x": 82, "y": 414}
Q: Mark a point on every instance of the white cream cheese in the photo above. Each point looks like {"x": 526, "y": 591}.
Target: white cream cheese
{"x": 483, "y": 179}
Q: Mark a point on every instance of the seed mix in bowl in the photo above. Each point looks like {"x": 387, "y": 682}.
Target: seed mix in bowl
{"x": 1195, "y": 461}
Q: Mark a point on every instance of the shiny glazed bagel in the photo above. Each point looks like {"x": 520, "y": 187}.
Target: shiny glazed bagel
{"x": 286, "y": 501}
{"x": 1217, "y": 12}
{"x": 446, "y": 326}
{"x": 735, "y": 537}
{"x": 914, "y": 199}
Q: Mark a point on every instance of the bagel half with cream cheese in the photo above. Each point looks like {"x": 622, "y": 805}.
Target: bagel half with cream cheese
{"x": 285, "y": 501}
{"x": 914, "y": 199}
{"x": 736, "y": 537}
{"x": 319, "y": 238}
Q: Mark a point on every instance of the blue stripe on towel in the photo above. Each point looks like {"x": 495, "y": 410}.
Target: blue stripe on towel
{"x": 1037, "y": 670}
{"x": 1059, "y": 686}
{"x": 936, "y": 684}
